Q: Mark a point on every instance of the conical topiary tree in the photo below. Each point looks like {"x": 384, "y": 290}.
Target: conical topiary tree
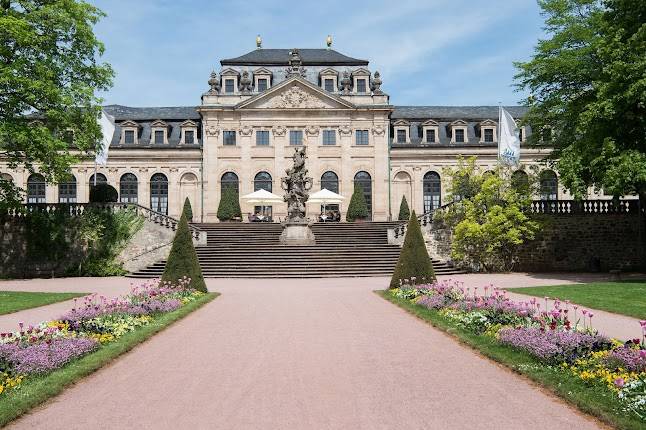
{"x": 413, "y": 259}
{"x": 358, "y": 208}
{"x": 188, "y": 210}
{"x": 182, "y": 259}
{"x": 404, "y": 212}
{"x": 229, "y": 207}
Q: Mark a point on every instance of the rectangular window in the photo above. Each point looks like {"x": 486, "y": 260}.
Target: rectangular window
{"x": 229, "y": 137}
{"x": 159, "y": 136}
{"x": 129, "y": 136}
{"x": 262, "y": 84}
{"x": 362, "y": 137}
{"x": 459, "y": 135}
{"x": 295, "y": 137}
{"x": 229, "y": 86}
{"x": 361, "y": 85}
{"x": 329, "y": 137}
{"x": 430, "y": 135}
{"x": 520, "y": 134}
{"x": 262, "y": 137}
{"x": 329, "y": 85}
{"x": 401, "y": 136}
{"x": 488, "y": 135}
{"x": 189, "y": 136}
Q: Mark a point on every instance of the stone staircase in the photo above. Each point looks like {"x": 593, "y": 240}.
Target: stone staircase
{"x": 253, "y": 250}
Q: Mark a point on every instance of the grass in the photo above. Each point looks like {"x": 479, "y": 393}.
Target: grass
{"x": 14, "y": 301}
{"x": 591, "y": 399}
{"x": 623, "y": 297}
{"x": 37, "y": 390}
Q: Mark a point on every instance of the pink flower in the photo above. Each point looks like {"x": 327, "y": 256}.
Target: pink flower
{"x": 619, "y": 382}
{"x": 590, "y": 314}
{"x": 585, "y": 312}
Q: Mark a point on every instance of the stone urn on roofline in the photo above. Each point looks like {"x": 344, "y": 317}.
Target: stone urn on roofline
{"x": 296, "y": 228}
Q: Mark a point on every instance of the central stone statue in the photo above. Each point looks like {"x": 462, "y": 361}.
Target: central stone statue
{"x": 296, "y": 228}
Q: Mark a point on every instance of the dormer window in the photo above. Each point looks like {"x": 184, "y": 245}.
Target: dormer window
{"x": 129, "y": 132}
{"x": 229, "y": 80}
{"x": 329, "y": 79}
{"x": 401, "y": 129}
{"x": 188, "y": 133}
{"x": 430, "y": 131}
{"x": 262, "y": 79}
{"x": 459, "y": 131}
{"x": 360, "y": 77}
{"x": 329, "y": 84}
{"x": 229, "y": 86}
{"x": 159, "y": 132}
{"x": 487, "y": 131}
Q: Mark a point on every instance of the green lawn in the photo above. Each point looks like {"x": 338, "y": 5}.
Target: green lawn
{"x": 592, "y": 399}
{"x": 37, "y": 389}
{"x": 14, "y": 301}
{"x": 624, "y": 297}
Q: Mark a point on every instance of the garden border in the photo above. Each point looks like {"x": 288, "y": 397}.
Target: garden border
{"x": 35, "y": 391}
{"x": 589, "y": 400}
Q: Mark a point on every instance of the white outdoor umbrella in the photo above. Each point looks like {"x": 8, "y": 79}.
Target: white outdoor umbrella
{"x": 262, "y": 197}
{"x": 326, "y": 197}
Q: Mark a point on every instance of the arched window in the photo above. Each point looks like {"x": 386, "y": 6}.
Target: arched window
{"x": 128, "y": 188}
{"x": 520, "y": 181}
{"x": 229, "y": 179}
{"x": 100, "y": 179}
{"x": 364, "y": 180}
{"x": 432, "y": 191}
{"x": 262, "y": 181}
{"x": 549, "y": 185}
{"x": 36, "y": 188}
{"x": 330, "y": 181}
{"x": 159, "y": 193}
{"x": 67, "y": 190}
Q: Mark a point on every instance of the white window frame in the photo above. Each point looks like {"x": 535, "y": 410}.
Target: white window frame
{"x": 156, "y": 126}
{"x": 459, "y": 125}
{"x": 188, "y": 126}
{"x": 129, "y": 126}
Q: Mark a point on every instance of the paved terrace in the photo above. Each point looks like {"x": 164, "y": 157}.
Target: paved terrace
{"x": 320, "y": 353}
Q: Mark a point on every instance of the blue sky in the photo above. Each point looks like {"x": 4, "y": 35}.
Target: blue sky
{"x": 433, "y": 52}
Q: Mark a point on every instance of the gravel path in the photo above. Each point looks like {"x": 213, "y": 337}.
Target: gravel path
{"x": 303, "y": 354}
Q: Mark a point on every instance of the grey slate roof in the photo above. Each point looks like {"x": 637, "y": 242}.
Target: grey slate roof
{"x": 454, "y": 112}
{"x": 280, "y": 57}
{"x": 183, "y": 113}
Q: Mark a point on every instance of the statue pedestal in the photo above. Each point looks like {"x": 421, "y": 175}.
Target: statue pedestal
{"x": 295, "y": 233}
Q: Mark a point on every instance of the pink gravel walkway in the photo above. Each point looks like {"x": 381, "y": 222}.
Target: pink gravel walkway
{"x": 303, "y": 354}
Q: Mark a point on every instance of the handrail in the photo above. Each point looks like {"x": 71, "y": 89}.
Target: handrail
{"x": 551, "y": 207}
{"x": 77, "y": 209}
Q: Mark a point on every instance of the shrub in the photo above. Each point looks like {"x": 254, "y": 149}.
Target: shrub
{"x": 103, "y": 193}
{"x": 404, "y": 212}
{"x": 182, "y": 260}
{"x": 358, "y": 208}
{"x": 188, "y": 210}
{"x": 229, "y": 207}
{"x": 414, "y": 261}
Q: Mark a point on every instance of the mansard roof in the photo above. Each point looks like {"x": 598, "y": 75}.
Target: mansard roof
{"x": 280, "y": 57}
{"x": 454, "y": 112}
{"x": 120, "y": 112}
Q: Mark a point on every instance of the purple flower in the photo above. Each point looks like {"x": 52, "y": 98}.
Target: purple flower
{"x": 43, "y": 357}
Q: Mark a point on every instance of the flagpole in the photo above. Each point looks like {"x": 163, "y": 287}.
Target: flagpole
{"x": 499, "y": 129}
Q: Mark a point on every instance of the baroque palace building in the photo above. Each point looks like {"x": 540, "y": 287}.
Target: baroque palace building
{"x": 258, "y": 108}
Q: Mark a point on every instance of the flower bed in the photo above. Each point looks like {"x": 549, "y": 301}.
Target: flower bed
{"x": 561, "y": 339}
{"x": 95, "y": 321}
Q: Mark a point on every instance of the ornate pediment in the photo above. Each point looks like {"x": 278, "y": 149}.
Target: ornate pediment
{"x": 295, "y": 94}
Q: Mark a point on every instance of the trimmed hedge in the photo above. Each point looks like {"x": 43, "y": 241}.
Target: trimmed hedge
{"x": 414, "y": 261}
{"x": 188, "y": 210}
{"x": 229, "y": 207}
{"x": 182, "y": 260}
{"x": 358, "y": 208}
{"x": 404, "y": 212}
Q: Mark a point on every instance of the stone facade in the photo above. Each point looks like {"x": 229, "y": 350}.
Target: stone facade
{"x": 262, "y": 105}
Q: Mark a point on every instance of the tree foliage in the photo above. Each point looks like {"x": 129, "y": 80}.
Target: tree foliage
{"x": 49, "y": 75}
{"x": 357, "y": 208}
{"x": 229, "y": 207}
{"x": 490, "y": 225}
{"x": 182, "y": 260}
{"x": 413, "y": 261}
{"x": 588, "y": 85}
{"x": 187, "y": 210}
{"x": 404, "y": 212}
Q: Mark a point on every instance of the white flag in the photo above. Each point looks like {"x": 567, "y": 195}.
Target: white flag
{"x": 508, "y": 139}
{"x": 107, "y": 129}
